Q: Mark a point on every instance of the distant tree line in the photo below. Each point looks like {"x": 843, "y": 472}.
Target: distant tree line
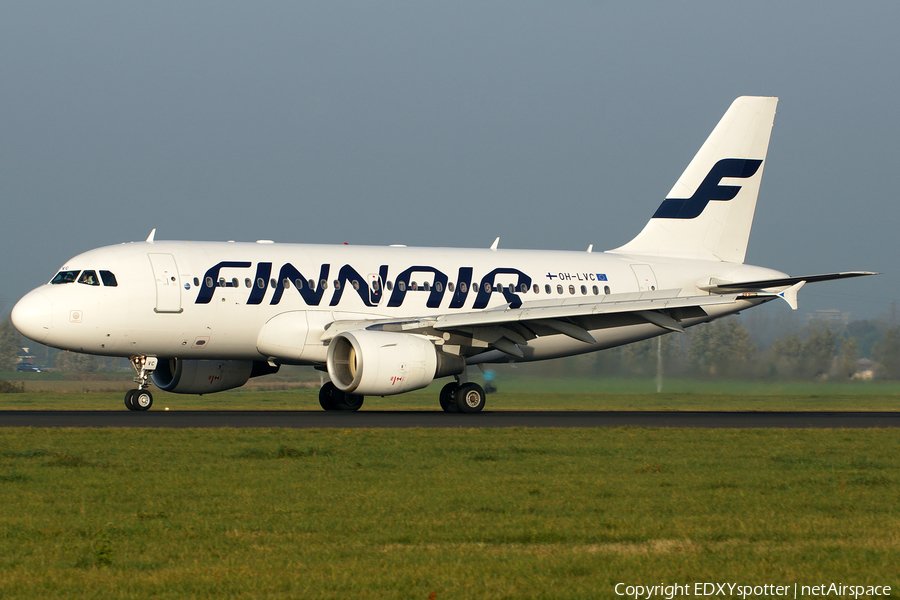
{"x": 770, "y": 344}
{"x": 726, "y": 348}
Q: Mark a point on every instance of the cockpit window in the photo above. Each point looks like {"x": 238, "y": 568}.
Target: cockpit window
{"x": 89, "y": 278}
{"x": 65, "y": 277}
{"x": 109, "y": 280}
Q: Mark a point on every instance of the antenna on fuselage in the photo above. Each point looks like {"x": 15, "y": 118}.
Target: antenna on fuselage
{"x": 152, "y": 235}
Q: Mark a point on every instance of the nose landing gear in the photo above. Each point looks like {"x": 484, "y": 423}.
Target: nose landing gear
{"x": 141, "y": 399}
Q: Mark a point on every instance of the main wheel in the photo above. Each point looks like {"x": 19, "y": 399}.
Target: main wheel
{"x": 470, "y": 398}
{"x": 329, "y": 396}
{"x": 142, "y": 400}
{"x": 448, "y": 397}
{"x": 129, "y": 400}
{"x": 351, "y": 402}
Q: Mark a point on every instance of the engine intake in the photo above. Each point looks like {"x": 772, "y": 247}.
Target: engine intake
{"x": 382, "y": 363}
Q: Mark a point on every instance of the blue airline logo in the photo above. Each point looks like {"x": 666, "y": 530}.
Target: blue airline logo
{"x": 313, "y": 291}
{"x": 710, "y": 189}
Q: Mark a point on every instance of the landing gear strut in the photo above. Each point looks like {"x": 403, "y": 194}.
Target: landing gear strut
{"x": 331, "y": 398}
{"x": 141, "y": 399}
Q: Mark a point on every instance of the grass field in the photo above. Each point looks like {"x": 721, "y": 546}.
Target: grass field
{"x": 517, "y": 392}
{"x": 512, "y": 513}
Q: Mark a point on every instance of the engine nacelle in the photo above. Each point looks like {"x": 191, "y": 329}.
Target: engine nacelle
{"x": 206, "y": 376}
{"x": 381, "y": 363}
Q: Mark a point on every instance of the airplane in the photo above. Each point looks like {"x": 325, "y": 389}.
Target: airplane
{"x": 202, "y": 317}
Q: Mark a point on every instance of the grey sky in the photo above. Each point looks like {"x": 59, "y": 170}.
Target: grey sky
{"x": 551, "y": 124}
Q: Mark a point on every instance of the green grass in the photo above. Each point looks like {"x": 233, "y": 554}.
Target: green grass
{"x": 518, "y": 390}
{"x": 511, "y": 513}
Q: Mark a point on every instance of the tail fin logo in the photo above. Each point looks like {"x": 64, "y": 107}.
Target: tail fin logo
{"x": 690, "y": 208}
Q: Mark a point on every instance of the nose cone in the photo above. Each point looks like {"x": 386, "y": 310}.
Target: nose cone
{"x": 31, "y": 316}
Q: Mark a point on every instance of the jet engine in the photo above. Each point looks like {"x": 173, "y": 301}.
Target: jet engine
{"x": 382, "y": 363}
{"x": 206, "y": 376}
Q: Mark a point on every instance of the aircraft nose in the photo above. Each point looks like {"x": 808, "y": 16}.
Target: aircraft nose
{"x": 31, "y": 316}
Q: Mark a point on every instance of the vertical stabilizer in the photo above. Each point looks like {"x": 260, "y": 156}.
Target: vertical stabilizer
{"x": 708, "y": 213}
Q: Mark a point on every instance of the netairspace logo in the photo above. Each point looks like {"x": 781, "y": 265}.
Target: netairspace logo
{"x": 737, "y": 590}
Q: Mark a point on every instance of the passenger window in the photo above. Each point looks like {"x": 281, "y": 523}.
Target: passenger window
{"x": 389, "y": 286}
{"x": 375, "y": 286}
{"x": 287, "y": 283}
{"x": 572, "y": 289}
{"x": 537, "y": 289}
{"x": 324, "y": 284}
{"x": 247, "y": 282}
{"x": 221, "y": 282}
{"x": 234, "y": 282}
{"x": 547, "y": 288}
{"x": 583, "y": 291}
{"x": 355, "y": 285}
{"x": 606, "y": 289}
{"x": 65, "y": 277}
{"x": 299, "y": 283}
{"x": 450, "y": 286}
{"x": 426, "y": 286}
{"x": 487, "y": 287}
{"x": 89, "y": 278}
{"x": 109, "y": 280}
{"x": 209, "y": 282}
{"x": 559, "y": 289}
{"x": 414, "y": 286}
{"x": 260, "y": 283}
{"x": 596, "y": 291}
{"x": 463, "y": 288}
{"x": 439, "y": 286}
{"x": 337, "y": 284}
{"x": 312, "y": 284}
{"x": 524, "y": 288}
{"x": 273, "y": 283}
{"x": 401, "y": 285}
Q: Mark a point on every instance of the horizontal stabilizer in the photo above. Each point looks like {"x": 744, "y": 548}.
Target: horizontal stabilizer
{"x": 746, "y": 286}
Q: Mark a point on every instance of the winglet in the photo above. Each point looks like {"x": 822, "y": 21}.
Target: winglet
{"x": 790, "y": 295}
{"x": 496, "y": 243}
{"x": 152, "y": 235}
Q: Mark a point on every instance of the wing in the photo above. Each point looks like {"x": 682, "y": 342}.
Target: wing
{"x": 506, "y": 329}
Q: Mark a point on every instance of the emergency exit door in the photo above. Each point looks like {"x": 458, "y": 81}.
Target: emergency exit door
{"x": 646, "y": 278}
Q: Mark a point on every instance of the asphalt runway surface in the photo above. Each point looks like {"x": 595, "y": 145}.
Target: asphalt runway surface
{"x": 433, "y": 419}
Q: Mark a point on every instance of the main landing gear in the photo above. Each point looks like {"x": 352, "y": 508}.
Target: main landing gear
{"x": 456, "y": 397}
{"x": 462, "y": 397}
{"x": 141, "y": 399}
{"x": 332, "y": 398}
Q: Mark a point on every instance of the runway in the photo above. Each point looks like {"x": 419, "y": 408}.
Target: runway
{"x": 435, "y": 419}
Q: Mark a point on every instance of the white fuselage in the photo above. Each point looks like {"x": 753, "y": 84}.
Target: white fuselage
{"x": 212, "y": 300}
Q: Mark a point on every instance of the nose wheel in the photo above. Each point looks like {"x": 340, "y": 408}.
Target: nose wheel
{"x": 141, "y": 399}
{"x": 138, "y": 400}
